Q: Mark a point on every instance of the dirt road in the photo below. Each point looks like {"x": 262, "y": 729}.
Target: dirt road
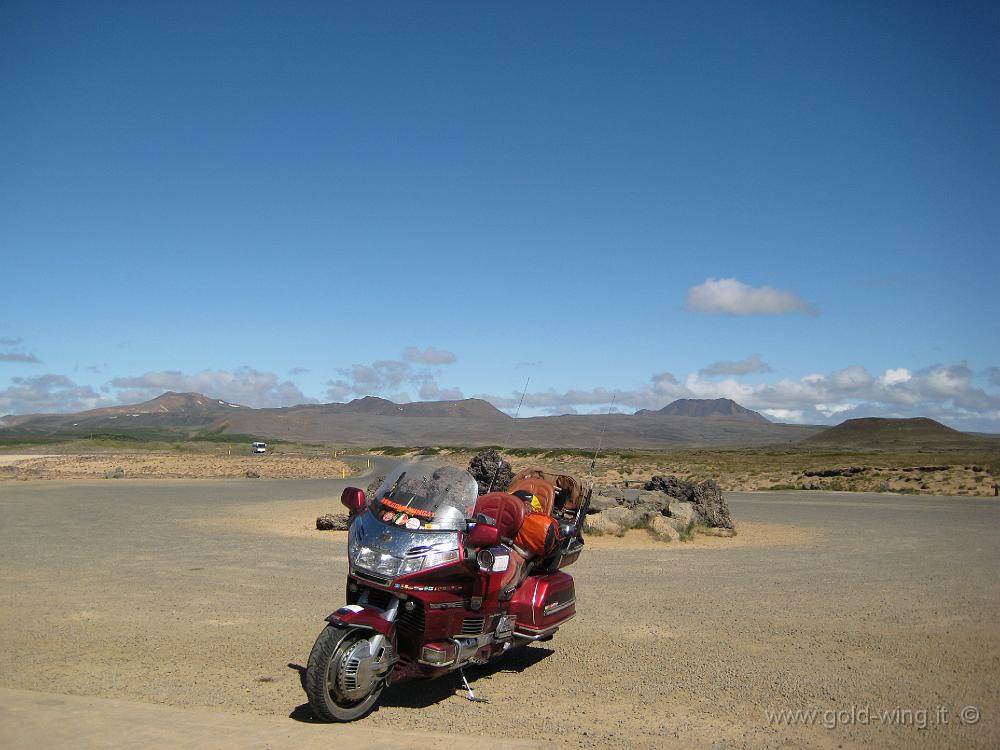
{"x": 208, "y": 594}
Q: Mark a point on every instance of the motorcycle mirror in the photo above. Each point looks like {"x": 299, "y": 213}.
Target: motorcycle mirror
{"x": 485, "y": 560}
{"x": 483, "y": 535}
{"x": 353, "y": 499}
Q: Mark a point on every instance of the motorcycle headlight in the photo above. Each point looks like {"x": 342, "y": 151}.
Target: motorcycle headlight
{"x": 411, "y": 565}
{"x": 365, "y": 557}
{"x": 392, "y": 566}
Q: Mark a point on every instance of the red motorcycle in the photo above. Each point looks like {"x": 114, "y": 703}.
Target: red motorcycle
{"x": 441, "y": 577}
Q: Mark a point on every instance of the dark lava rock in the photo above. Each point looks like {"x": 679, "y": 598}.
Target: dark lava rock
{"x": 251, "y": 474}
{"x": 333, "y": 522}
{"x": 848, "y": 472}
{"x": 711, "y": 505}
{"x": 676, "y": 488}
{"x": 484, "y": 467}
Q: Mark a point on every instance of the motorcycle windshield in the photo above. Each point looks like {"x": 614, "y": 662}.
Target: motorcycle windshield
{"x": 421, "y": 497}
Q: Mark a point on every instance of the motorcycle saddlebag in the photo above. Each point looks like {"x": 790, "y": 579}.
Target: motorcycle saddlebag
{"x": 544, "y": 602}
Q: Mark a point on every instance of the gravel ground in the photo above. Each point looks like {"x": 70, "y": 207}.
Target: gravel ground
{"x": 210, "y": 593}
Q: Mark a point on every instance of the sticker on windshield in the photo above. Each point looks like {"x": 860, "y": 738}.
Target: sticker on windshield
{"x": 401, "y": 519}
{"x": 388, "y": 516}
{"x": 413, "y": 523}
{"x": 389, "y": 504}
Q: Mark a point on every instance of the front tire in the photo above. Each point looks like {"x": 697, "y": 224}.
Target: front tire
{"x": 325, "y": 676}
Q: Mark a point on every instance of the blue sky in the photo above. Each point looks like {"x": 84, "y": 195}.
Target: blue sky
{"x": 275, "y": 203}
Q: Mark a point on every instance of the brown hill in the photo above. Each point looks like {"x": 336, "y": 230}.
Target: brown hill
{"x": 706, "y": 408}
{"x": 883, "y": 432}
{"x": 170, "y": 413}
{"x": 372, "y": 421}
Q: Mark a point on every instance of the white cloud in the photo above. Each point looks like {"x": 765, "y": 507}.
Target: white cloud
{"x": 784, "y": 415}
{"x": 429, "y": 391}
{"x": 895, "y": 376}
{"x": 733, "y": 297}
{"x": 16, "y": 353}
{"x": 746, "y": 366}
{"x": 388, "y": 378}
{"x": 49, "y": 393}
{"x": 944, "y": 392}
{"x": 19, "y": 357}
{"x": 244, "y": 385}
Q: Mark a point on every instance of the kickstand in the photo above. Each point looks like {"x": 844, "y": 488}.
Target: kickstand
{"x": 471, "y": 696}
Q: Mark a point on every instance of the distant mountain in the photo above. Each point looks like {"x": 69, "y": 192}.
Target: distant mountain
{"x": 373, "y": 421}
{"x": 470, "y": 408}
{"x": 884, "y": 432}
{"x": 169, "y": 412}
{"x": 706, "y": 408}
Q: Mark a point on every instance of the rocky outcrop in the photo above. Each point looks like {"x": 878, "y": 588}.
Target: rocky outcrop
{"x": 663, "y": 530}
{"x": 706, "y": 498}
{"x": 489, "y": 468}
{"x": 850, "y": 471}
{"x": 600, "y": 524}
{"x": 118, "y": 473}
{"x": 333, "y": 522}
{"x": 711, "y": 505}
{"x": 672, "y": 486}
{"x": 683, "y": 515}
{"x": 669, "y": 507}
{"x": 251, "y": 474}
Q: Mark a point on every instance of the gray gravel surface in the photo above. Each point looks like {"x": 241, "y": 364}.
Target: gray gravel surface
{"x": 159, "y": 592}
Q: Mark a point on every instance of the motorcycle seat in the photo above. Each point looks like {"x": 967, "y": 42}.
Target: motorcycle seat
{"x": 539, "y": 493}
{"x": 506, "y": 511}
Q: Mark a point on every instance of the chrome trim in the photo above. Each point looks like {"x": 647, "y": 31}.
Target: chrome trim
{"x": 539, "y": 636}
{"x": 542, "y": 633}
{"x": 553, "y": 608}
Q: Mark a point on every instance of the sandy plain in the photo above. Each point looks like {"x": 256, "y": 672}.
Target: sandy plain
{"x": 966, "y": 473}
{"x": 208, "y": 595}
{"x": 171, "y": 465}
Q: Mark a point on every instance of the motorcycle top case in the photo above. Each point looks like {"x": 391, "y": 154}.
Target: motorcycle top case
{"x": 544, "y": 602}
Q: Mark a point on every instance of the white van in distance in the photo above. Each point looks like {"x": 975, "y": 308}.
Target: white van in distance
{"x": 258, "y": 447}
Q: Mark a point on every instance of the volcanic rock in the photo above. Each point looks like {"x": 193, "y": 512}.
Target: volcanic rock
{"x": 671, "y": 485}
{"x": 489, "y": 468}
{"x": 333, "y": 522}
{"x": 711, "y": 505}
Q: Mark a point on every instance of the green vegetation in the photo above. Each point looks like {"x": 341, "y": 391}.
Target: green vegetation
{"x": 110, "y": 442}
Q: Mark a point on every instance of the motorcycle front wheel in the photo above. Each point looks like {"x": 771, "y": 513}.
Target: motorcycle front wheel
{"x": 332, "y": 684}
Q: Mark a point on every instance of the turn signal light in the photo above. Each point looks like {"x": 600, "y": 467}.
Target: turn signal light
{"x": 439, "y": 654}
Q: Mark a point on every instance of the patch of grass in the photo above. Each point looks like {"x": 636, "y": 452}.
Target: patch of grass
{"x": 687, "y": 533}
{"x": 391, "y": 450}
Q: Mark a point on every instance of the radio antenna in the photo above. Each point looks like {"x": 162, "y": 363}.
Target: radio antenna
{"x": 510, "y": 432}
{"x": 600, "y": 439}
